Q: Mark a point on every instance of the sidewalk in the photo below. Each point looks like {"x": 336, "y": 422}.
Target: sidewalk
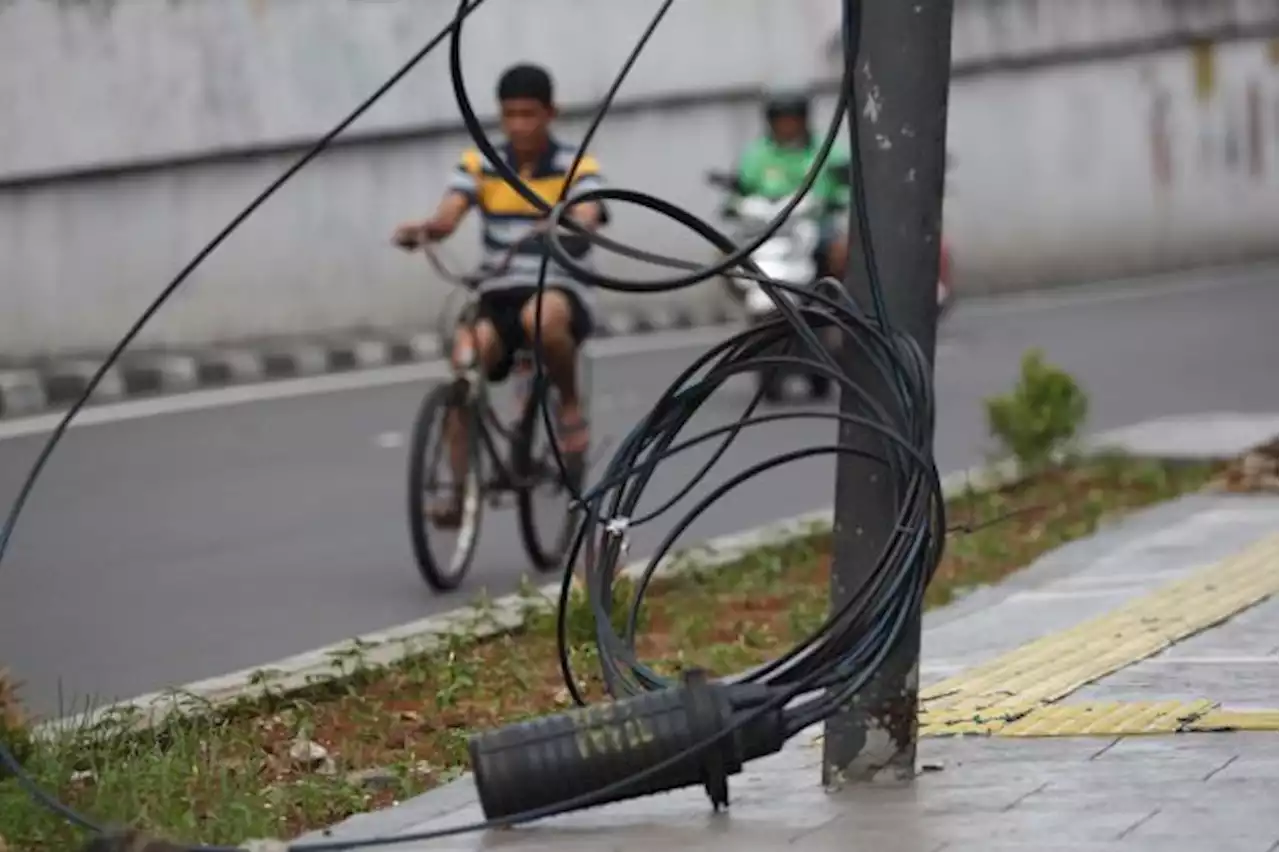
{"x": 1062, "y": 667}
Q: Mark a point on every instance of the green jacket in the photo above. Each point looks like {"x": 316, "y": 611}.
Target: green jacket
{"x": 773, "y": 171}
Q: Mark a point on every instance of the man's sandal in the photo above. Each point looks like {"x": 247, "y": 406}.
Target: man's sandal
{"x": 574, "y": 436}
{"x": 445, "y": 513}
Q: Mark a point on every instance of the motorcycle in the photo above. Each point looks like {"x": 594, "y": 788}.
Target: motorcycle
{"x": 790, "y": 254}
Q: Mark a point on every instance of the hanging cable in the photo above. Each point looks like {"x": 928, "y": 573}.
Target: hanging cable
{"x": 697, "y": 730}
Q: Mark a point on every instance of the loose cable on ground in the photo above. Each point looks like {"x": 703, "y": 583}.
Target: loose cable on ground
{"x": 720, "y": 724}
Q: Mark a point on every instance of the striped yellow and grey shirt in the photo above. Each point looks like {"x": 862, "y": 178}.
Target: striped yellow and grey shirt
{"x": 507, "y": 216}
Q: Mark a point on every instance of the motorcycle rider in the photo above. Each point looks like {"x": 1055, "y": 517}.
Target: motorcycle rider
{"x": 775, "y": 166}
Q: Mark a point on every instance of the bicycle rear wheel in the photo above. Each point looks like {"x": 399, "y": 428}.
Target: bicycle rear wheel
{"x": 544, "y": 500}
{"x": 428, "y": 468}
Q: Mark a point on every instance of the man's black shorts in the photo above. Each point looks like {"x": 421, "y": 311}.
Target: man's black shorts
{"x": 502, "y": 308}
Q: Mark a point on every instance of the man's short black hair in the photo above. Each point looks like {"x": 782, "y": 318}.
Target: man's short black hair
{"x": 525, "y": 81}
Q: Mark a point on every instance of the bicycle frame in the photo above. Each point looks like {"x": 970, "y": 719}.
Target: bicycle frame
{"x": 516, "y": 470}
{"x": 468, "y": 372}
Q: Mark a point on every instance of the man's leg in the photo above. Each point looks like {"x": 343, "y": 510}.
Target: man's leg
{"x": 486, "y": 345}
{"x": 560, "y": 352}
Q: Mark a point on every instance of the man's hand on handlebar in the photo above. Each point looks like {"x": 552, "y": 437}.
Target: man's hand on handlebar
{"x": 413, "y": 235}
{"x": 572, "y": 241}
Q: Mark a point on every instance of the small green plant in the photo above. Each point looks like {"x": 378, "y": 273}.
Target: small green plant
{"x": 1041, "y": 416}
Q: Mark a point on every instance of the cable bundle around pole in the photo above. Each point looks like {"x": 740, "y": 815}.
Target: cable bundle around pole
{"x": 762, "y": 708}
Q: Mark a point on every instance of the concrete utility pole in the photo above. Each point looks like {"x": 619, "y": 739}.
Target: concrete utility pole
{"x": 899, "y": 109}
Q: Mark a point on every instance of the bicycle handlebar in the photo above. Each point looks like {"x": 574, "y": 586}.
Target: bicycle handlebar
{"x": 475, "y": 279}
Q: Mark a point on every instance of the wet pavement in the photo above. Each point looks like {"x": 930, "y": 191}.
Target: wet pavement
{"x": 1086, "y": 643}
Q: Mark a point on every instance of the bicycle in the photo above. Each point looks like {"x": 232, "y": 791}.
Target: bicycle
{"x": 488, "y": 475}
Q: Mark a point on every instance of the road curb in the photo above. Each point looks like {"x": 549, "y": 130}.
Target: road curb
{"x": 483, "y": 620}
{"x": 56, "y": 384}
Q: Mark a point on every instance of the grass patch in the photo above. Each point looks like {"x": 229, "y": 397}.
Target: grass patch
{"x": 285, "y": 765}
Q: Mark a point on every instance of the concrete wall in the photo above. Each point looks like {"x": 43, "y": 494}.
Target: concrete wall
{"x": 95, "y": 82}
{"x": 1117, "y": 167}
{"x": 1088, "y": 144}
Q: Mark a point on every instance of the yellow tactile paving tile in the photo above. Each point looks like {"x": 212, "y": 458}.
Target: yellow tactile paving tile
{"x": 1236, "y": 720}
{"x": 951, "y": 724}
{"x": 1054, "y": 666}
{"x": 1112, "y": 718}
{"x": 1101, "y": 719}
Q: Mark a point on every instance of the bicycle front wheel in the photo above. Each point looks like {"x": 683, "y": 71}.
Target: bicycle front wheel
{"x": 444, "y": 549}
{"x": 544, "y": 499}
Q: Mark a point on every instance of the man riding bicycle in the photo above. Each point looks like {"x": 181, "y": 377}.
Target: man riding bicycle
{"x": 775, "y": 166}
{"x": 507, "y": 306}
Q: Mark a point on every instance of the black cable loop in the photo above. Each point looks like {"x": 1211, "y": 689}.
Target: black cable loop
{"x": 841, "y": 654}
{"x": 588, "y": 276}
{"x": 626, "y": 644}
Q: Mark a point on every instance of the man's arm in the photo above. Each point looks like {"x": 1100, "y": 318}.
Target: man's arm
{"x": 461, "y": 193}
{"x": 449, "y": 214}
{"x": 589, "y": 214}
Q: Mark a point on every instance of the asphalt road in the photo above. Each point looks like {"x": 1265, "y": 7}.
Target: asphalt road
{"x": 165, "y": 548}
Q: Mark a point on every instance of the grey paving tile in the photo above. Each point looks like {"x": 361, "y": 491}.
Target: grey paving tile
{"x": 1232, "y": 664}
{"x": 1019, "y": 825}
{"x": 1211, "y": 749}
{"x": 1258, "y": 759}
{"x": 851, "y": 836}
{"x": 1128, "y": 844}
{"x": 1220, "y": 827}
{"x": 1167, "y": 767}
{"x": 1252, "y": 632}
{"x": 968, "y": 752}
{"x": 1239, "y": 685}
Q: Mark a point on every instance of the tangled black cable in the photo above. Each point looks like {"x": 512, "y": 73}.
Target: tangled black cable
{"x": 775, "y": 701}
